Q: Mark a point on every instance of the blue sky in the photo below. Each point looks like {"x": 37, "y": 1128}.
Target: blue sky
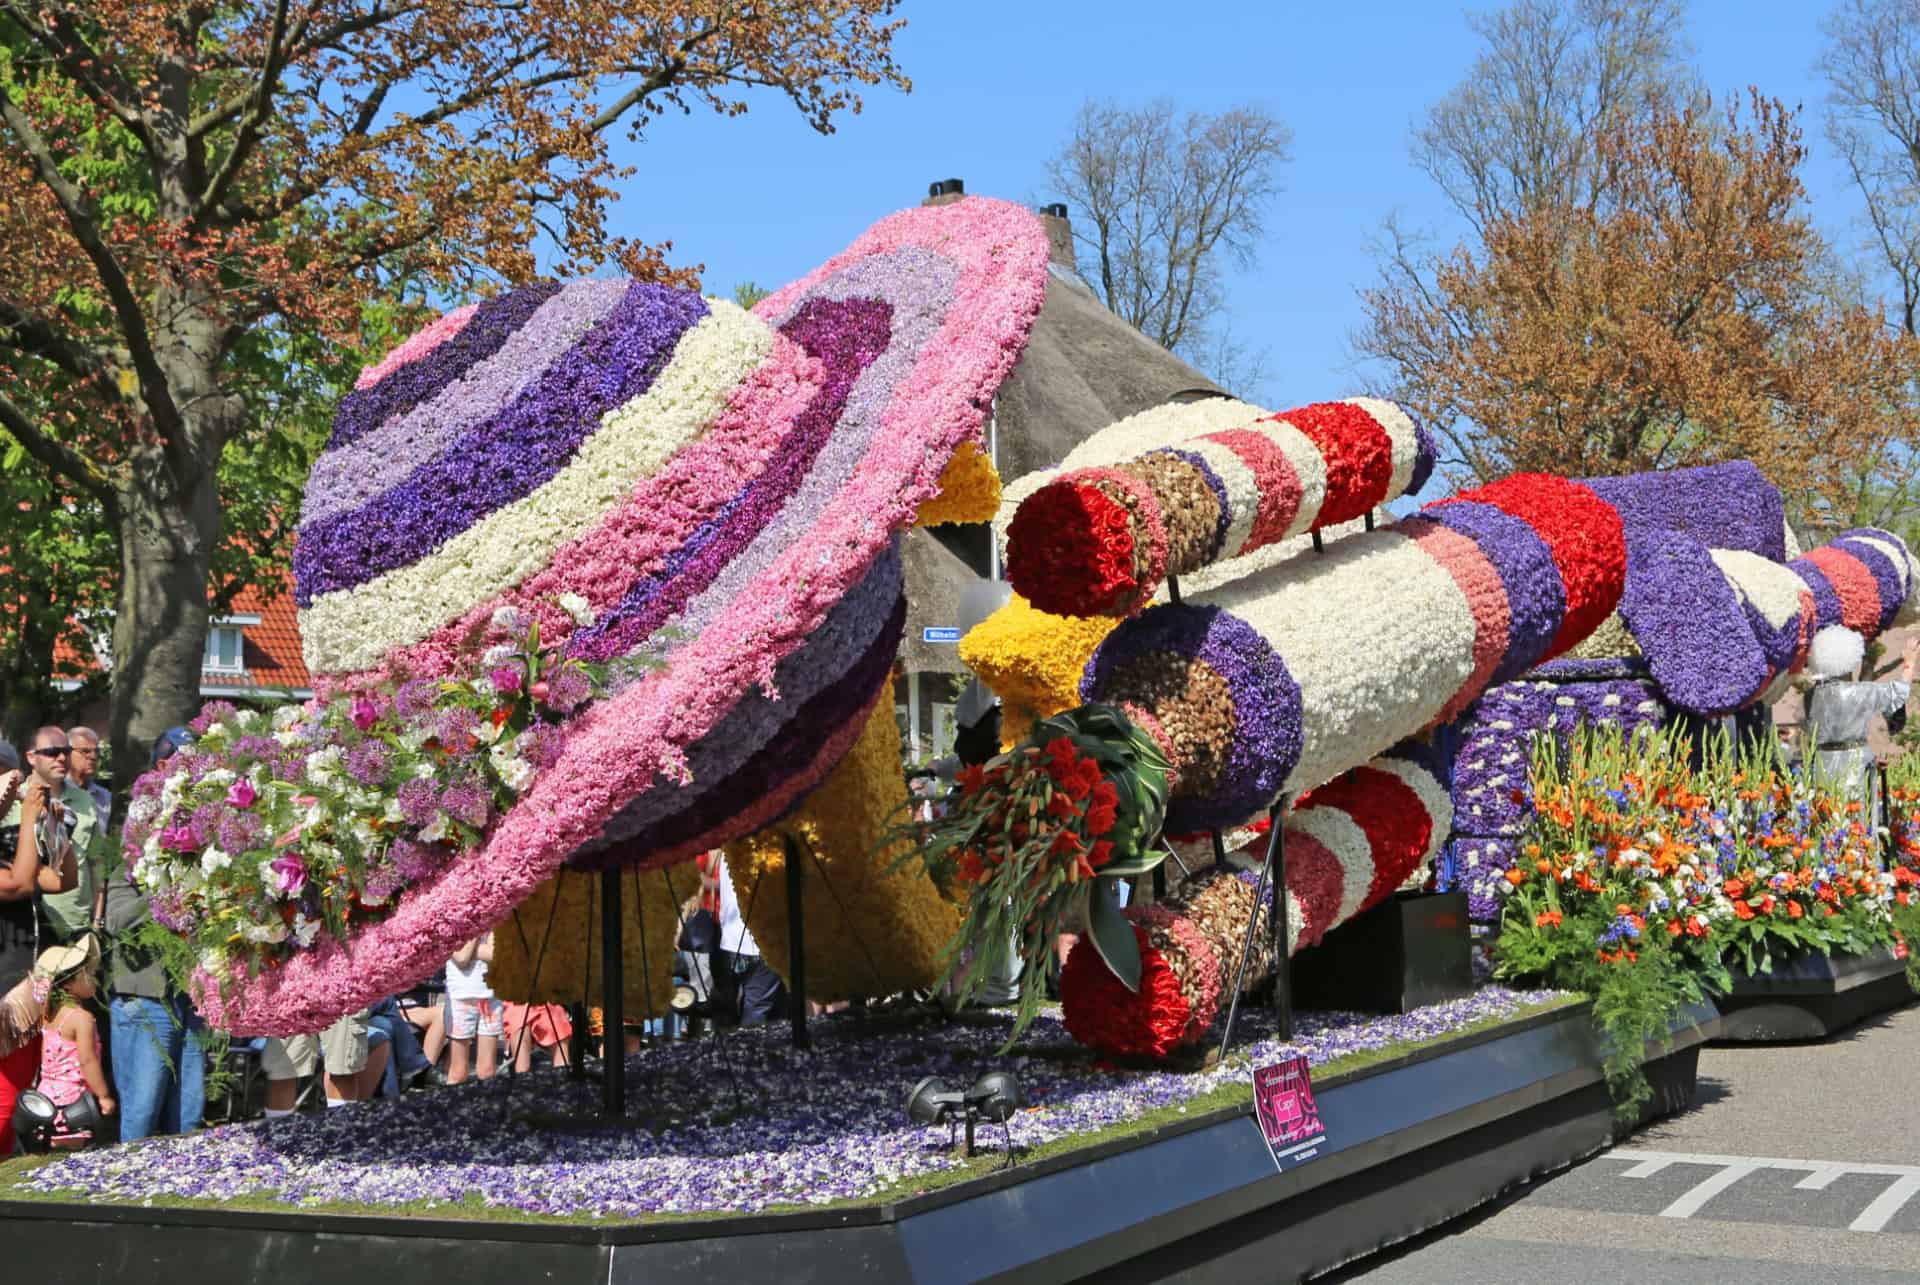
{"x": 996, "y": 86}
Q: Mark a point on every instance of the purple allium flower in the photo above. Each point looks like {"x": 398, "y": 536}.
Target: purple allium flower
{"x": 415, "y": 861}
{"x": 541, "y": 744}
{"x": 414, "y": 698}
{"x": 238, "y": 831}
{"x": 382, "y": 882}
{"x": 367, "y": 763}
{"x": 455, "y": 726}
{"x": 568, "y": 688}
{"x": 467, "y": 803}
{"x": 419, "y": 800}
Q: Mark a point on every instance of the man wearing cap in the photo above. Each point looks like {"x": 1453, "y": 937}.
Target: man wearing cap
{"x": 25, "y": 831}
{"x": 159, "y": 1058}
{"x": 73, "y": 829}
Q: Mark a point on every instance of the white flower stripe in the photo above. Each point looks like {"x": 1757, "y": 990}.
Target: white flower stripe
{"x": 353, "y": 629}
{"x": 1373, "y": 667}
{"x": 1296, "y": 922}
{"x": 1341, "y": 835}
{"x": 1401, "y": 432}
{"x": 1433, "y": 797}
{"x": 1243, "y": 493}
{"x": 1772, "y": 589}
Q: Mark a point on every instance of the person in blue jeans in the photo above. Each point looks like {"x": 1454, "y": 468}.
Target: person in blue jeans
{"x": 158, "y": 1042}
{"x": 408, "y": 1062}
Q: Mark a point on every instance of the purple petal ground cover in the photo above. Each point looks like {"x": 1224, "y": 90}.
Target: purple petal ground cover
{"x": 805, "y": 1128}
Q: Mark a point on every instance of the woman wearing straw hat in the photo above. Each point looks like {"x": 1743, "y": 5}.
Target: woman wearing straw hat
{"x": 23, "y": 877}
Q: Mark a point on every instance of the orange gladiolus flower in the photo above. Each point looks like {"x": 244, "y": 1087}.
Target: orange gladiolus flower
{"x": 1516, "y": 876}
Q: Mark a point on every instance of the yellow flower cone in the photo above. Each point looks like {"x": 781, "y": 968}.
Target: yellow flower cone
{"x": 969, "y": 490}
{"x": 557, "y": 931}
{"x": 868, "y": 933}
{"x": 1032, "y": 660}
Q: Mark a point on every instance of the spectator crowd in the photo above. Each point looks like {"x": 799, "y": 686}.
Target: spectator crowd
{"x": 97, "y": 1044}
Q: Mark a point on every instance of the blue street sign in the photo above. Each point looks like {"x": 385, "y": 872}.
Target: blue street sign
{"x": 939, "y": 634}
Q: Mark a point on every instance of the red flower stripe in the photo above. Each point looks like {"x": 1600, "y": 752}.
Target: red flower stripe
{"x": 1809, "y": 613}
{"x": 1581, "y": 531}
{"x": 1853, "y": 582}
{"x": 1389, "y": 813}
{"x": 1359, "y": 456}
{"x": 1314, "y": 877}
{"x": 1071, "y": 550}
{"x": 1486, "y": 595}
{"x": 1104, "y": 1015}
{"x": 1280, "y": 489}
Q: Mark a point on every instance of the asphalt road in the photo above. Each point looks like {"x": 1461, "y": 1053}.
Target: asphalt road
{"x": 1797, "y": 1164}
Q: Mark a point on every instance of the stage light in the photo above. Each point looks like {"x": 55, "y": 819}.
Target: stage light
{"x": 994, "y": 1098}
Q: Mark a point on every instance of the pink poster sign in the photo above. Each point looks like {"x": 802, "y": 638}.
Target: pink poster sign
{"x": 1283, "y": 1104}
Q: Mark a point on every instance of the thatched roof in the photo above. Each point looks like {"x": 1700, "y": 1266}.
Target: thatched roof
{"x": 1083, "y": 369}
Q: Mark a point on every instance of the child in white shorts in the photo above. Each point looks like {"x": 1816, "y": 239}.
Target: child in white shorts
{"x": 472, "y": 1010}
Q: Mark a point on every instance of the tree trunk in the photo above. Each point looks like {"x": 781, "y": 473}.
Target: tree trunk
{"x": 167, "y": 508}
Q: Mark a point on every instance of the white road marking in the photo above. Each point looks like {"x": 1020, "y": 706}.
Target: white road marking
{"x": 1689, "y": 1205}
{"x": 1821, "y": 1174}
{"x": 1886, "y": 1204}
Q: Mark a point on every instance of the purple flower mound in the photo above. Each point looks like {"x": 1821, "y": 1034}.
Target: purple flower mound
{"x": 506, "y": 458}
{"x": 492, "y": 323}
{"x": 1426, "y": 454}
{"x": 1482, "y": 863}
{"x": 1689, "y": 622}
{"x": 780, "y": 1127}
{"x": 1826, "y": 602}
{"x": 847, "y": 335}
{"x": 1778, "y": 644}
{"x": 1578, "y": 669}
{"x": 1722, "y": 506}
{"x": 1266, "y": 704}
{"x": 1891, "y": 580}
{"x": 1536, "y": 596}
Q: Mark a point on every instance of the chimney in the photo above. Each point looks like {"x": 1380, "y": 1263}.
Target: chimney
{"x": 945, "y": 191}
{"x": 1059, "y": 234}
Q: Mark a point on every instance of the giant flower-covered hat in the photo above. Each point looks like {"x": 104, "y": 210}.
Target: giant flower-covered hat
{"x": 642, "y": 471}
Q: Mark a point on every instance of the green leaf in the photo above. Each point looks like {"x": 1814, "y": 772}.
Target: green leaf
{"x": 1112, "y": 933}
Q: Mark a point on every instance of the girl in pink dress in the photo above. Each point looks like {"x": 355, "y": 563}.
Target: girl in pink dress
{"x": 70, "y": 1055}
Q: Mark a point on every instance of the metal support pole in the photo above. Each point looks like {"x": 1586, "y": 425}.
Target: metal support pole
{"x": 1369, "y": 519}
{"x": 1173, "y": 589}
{"x": 1267, "y": 872}
{"x": 613, "y": 997}
{"x": 1277, "y": 927}
{"x": 913, "y": 712}
{"x": 797, "y": 940}
{"x": 1319, "y": 545}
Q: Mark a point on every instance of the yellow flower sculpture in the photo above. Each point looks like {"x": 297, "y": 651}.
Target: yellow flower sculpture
{"x": 969, "y": 490}
{"x": 868, "y": 932}
{"x": 1032, "y": 660}
{"x": 548, "y": 949}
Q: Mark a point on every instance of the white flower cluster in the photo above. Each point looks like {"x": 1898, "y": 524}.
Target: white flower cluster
{"x": 353, "y": 628}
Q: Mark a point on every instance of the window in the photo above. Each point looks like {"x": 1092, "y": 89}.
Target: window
{"x": 224, "y": 647}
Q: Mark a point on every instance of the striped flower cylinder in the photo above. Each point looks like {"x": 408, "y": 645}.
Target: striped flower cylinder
{"x": 1862, "y": 580}
{"x": 1101, "y": 540}
{"x": 648, "y": 474}
{"x": 1349, "y": 844}
{"x": 1283, "y": 680}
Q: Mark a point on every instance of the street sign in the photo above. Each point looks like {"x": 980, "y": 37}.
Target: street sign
{"x": 940, "y": 634}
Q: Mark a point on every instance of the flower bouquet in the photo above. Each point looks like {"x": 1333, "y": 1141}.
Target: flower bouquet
{"x": 1035, "y": 840}
{"x": 273, "y": 828}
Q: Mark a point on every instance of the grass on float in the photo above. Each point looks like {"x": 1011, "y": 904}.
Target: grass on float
{"x": 472, "y": 1209}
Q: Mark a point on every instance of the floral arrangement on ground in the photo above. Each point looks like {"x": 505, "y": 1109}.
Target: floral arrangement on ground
{"x": 1642, "y": 880}
{"x": 836, "y": 1131}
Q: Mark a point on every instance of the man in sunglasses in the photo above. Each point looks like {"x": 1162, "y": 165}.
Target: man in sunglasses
{"x": 67, "y": 827}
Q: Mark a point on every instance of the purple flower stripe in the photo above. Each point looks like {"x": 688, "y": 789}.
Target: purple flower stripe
{"x": 1887, "y": 577}
{"x": 505, "y": 459}
{"x": 349, "y": 477}
{"x": 1778, "y": 643}
{"x": 1723, "y": 506}
{"x": 418, "y": 381}
{"x": 1536, "y": 596}
{"x": 1266, "y": 704}
{"x": 1689, "y": 622}
{"x": 1826, "y": 603}
{"x": 917, "y": 285}
{"x": 846, "y": 636}
{"x": 1577, "y": 669}
{"x": 847, "y": 336}
{"x": 789, "y": 752}
{"x": 1426, "y": 454}
{"x": 1481, "y": 864}
{"x": 1219, "y": 488}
